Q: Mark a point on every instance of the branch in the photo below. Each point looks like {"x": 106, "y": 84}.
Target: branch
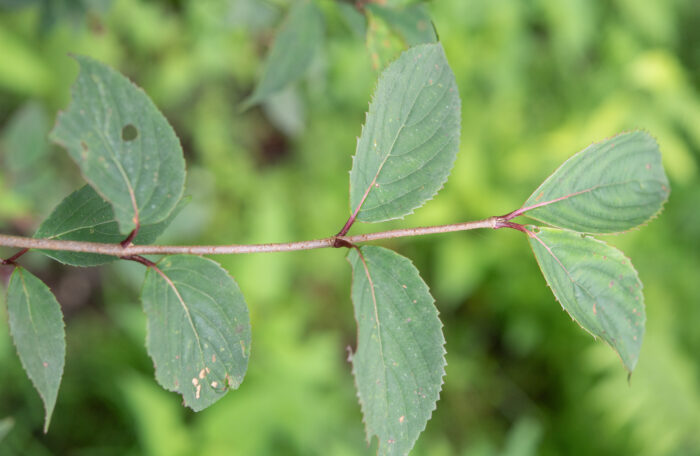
{"x": 132, "y": 251}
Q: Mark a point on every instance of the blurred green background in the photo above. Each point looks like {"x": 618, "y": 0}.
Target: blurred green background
{"x": 539, "y": 81}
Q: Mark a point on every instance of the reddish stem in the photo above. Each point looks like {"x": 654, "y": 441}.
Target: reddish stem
{"x": 522, "y": 210}
{"x": 127, "y": 242}
{"x": 14, "y": 257}
{"x": 502, "y": 222}
{"x": 139, "y": 259}
{"x": 347, "y": 225}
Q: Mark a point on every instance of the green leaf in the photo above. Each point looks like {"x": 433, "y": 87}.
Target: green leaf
{"x": 292, "y": 51}
{"x": 611, "y": 186}
{"x": 6, "y": 425}
{"x": 36, "y": 325}
{"x": 412, "y": 23}
{"x": 400, "y": 359}
{"x": 24, "y": 139}
{"x": 198, "y": 328}
{"x": 410, "y": 139}
{"x": 123, "y": 145}
{"x": 383, "y": 43}
{"x": 596, "y": 284}
{"x": 85, "y": 216}
{"x": 355, "y": 20}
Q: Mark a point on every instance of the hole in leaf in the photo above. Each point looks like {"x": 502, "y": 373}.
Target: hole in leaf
{"x": 129, "y": 132}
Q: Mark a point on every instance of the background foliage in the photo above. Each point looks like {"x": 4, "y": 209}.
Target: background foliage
{"x": 538, "y": 80}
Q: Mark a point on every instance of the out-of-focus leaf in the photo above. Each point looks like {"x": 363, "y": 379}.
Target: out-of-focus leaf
{"x": 56, "y": 12}
{"x": 410, "y": 139}
{"x": 85, "y": 216}
{"x": 354, "y": 19}
{"x": 383, "y": 44}
{"x": 292, "y": 51}
{"x": 16, "y": 4}
{"x": 6, "y": 425}
{"x": 286, "y": 111}
{"x": 412, "y": 23}
{"x": 596, "y": 284}
{"x": 611, "y": 186}
{"x": 24, "y": 139}
{"x": 400, "y": 357}
{"x": 36, "y": 325}
{"x": 198, "y": 328}
{"x": 24, "y": 150}
{"x": 123, "y": 145}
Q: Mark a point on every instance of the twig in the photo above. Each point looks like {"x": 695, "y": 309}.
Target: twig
{"x": 132, "y": 251}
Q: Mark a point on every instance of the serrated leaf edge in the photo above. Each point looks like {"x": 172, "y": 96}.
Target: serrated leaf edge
{"x": 62, "y": 144}
{"x": 368, "y": 433}
{"x": 556, "y": 297}
{"x": 48, "y": 413}
{"x": 355, "y": 211}
{"x": 644, "y": 223}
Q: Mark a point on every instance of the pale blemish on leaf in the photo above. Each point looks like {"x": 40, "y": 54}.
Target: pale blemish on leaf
{"x": 184, "y": 289}
{"x": 389, "y": 359}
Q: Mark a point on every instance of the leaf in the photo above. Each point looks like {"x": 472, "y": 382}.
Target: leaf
{"x": 292, "y": 51}
{"x": 383, "y": 43}
{"x": 355, "y": 20}
{"x": 410, "y": 139}
{"x": 400, "y": 359}
{"x": 412, "y": 22}
{"x": 596, "y": 284}
{"x": 24, "y": 146}
{"x": 198, "y": 328}
{"x": 6, "y": 425}
{"x": 123, "y": 145}
{"x": 611, "y": 186}
{"x": 36, "y": 325}
{"x": 24, "y": 139}
{"x": 85, "y": 216}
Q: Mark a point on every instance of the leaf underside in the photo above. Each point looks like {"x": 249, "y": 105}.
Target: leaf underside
{"x": 410, "y": 138}
{"x": 36, "y": 324}
{"x": 596, "y": 284}
{"x": 292, "y": 51}
{"x": 400, "y": 359}
{"x": 85, "y": 216}
{"x": 198, "y": 328}
{"x": 611, "y": 186}
{"x": 124, "y": 146}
